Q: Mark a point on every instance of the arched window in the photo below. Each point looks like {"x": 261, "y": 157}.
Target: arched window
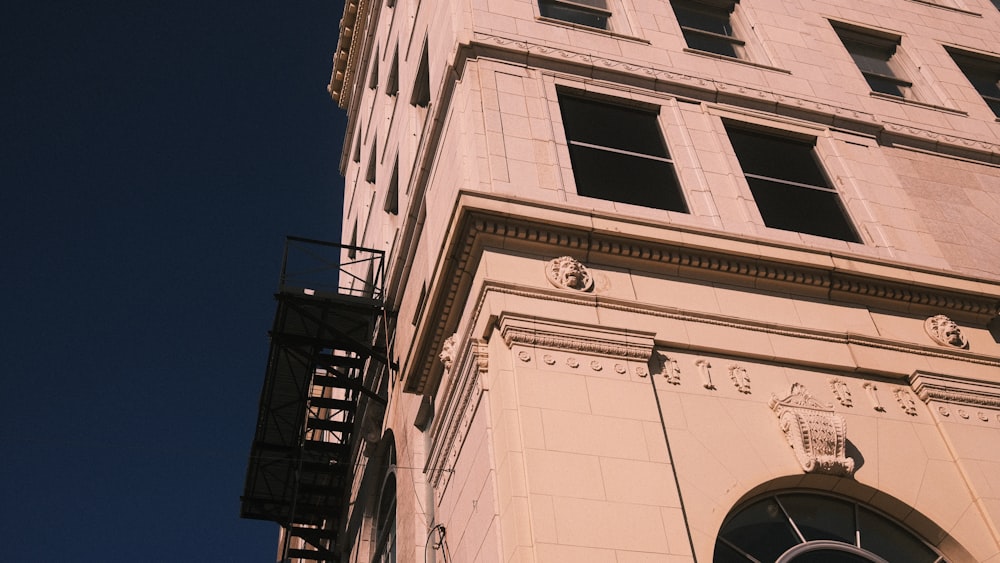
{"x": 804, "y": 527}
{"x": 385, "y": 523}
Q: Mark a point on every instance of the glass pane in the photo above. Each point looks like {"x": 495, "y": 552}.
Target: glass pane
{"x": 612, "y": 126}
{"x": 802, "y": 210}
{"x": 709, "y": 43}
{"x": 821, "y": 518}
{"x": 870, "y": 58}
{"x": 830, "y": 556}
{"x": 886, "y": 86}
{"x": 628, "y": 179}
{"x": 890, "y": 541}
{"x": 726, "y": 554}
{"x": 777, "y": 157}
{"x": 995, "y": 106}
{"x": 573, "y": 14}
{"x": 761, "y": 530}
{"x": 714, "y": 21}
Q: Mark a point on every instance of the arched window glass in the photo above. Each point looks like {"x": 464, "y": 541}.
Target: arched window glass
{"x": 385, "y": 524}
{"x": 802, "y": 527}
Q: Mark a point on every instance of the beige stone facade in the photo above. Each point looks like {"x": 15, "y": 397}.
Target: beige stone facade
{"x": 583, "y": 376}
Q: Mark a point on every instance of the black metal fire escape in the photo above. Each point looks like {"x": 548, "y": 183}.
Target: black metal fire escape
{"x": 329, "y": 307}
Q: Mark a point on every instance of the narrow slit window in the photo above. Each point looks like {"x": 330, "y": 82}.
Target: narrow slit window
{"x": 984, "y": 74}
{"x": 372, "y": 165}
{"x": 789, "y": 187}
{"x": 373, "y": 76}
{"x": 707, "y": 26}
{"x": 421, "y": 96}
{"x": 392, "y": 82}
{"x": 590, "y": 13}
{"x": 391, "y": 204}
{"x": 875, "y": 57}
{"x": 618, "y": 154}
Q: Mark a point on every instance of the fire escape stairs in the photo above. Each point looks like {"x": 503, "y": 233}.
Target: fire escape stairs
{"x": 299, "y": 473}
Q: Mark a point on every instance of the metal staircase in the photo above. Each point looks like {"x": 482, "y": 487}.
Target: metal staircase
{"x": 329, "y": 306}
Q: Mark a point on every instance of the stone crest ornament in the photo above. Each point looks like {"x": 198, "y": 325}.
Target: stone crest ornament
{"x": 740, "y": 377}
{"x": 817, "y": 435}
{"x": 842, "y": 391}
{"x": 704, "y": 367}
{"x": 568, "y": 273}
{"x": 447, "y": 355}
{"x": 945, "y": 332}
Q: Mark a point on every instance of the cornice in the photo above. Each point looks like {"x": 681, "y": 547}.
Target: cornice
{"x": 715, "y": 90}
{"x": 623, "y": 344}
{"x": 816, "y": 274}
{"x": 956, "y": 390}
{"x": 345, "y": 61}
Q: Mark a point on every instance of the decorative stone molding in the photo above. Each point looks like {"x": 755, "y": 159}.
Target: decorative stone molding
{"x": 872, "y": 391}
{"x": 571, "y": 337}
{"x": 704, "y": 367}
{"x": 568, "y": 273}
{"x": 740, "y": 377}
{"x": 841, "y": 391}
{"x": 945, "y": 332}
{"x": 669, "y": 80}
{"x": 479, "y": 227}
{"x": 905, "y": 401}
{"x": 668, "y": 366}
{"x": 955, "y": 390}
{"x": 458, "y": 407}
{"x": 447, "y": 355}
{"x": 816, "y": 434}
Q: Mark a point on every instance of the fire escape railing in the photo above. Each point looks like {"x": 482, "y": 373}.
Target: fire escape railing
{"x": 329, "y": 307}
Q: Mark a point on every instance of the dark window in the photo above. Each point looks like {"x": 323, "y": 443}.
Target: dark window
{"x": 591, "y": 13}
{"x": 790, "y": 189}
{"x": 618, "y": 154}
{"x": 707, "y": 26}
{"x": 373, "y": 76}
{"x": 421, "y": 95}
{"x": 370, "y": 173}
{"x": 392, "y": 193}
{"x": 984, "y": 74}
{"x": 392, "y": 82}
{"x": 874, "y": 57}
{"x": 357, "y": 147}
{"x": 813, "y": 528}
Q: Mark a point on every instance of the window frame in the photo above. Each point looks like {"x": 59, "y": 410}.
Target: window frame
{"x": 774, "y": 217}
{"x": 966, "y": 61}
{"x": 586, "y": 8}
{"x": 712, "y": 9}
{"x": 673, "y": 200}
{"x": 888, "y": 48}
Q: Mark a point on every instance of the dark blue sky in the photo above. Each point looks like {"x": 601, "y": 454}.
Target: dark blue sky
{"x": 153, "y": 155}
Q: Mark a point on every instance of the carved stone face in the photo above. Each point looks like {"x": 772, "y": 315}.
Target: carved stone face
{"x": 945, "y": 331}
{"x": 569, "y": 273}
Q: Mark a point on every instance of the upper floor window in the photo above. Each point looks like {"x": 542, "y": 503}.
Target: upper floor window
{"x": 983, "y": 73}
{"x": 789, "y": 187}
{"x": 707, "y": 26}
{"x": 591, "y": 13}
{"x": 876, "y": 58}
{"x": 618, "y": 154}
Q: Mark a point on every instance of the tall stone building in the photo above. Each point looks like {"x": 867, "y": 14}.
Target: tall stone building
{"x": 664, "y": 281}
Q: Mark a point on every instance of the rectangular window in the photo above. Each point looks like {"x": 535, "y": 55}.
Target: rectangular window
{"x": 984, "y": 74}
{"x": 707, "y": 27}
{"x": 591, "y": 13}
{"x": 875, "y": 56}
{"x": 618, "y": 154}
{"x": 788, "y": 185}
{"x": 391, "y": 204}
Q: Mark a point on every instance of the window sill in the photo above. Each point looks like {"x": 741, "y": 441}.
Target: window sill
{"x": 580, "y": 27}
{"x": 907, "y": 101}
{"x": 948, "y": 8}
{"x": 734, "y": 60}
